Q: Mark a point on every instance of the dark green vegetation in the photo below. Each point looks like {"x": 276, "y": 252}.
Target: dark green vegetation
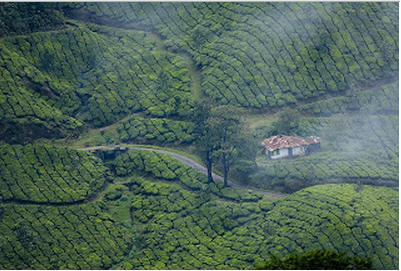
{"x": 47, "y": 174}
{"x": 359, "y": 145}
{"x": 159, "y": 130}
{"x": 361, "y": 218}
{"x": 181, "y": 227}
{"x": 24, "y": 18}
{"x": 70, "y": 237}
{"x": 272, "y": 54}
{"x": 164, "y": 167}
{"x": 317, "y": 260}
{"x": 95, "y": 74}
{"x": 211, "y": 80}
{"x": 181, "y": 221}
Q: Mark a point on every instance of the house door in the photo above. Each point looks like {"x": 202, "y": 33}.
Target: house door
{"x": 289, "y": 151}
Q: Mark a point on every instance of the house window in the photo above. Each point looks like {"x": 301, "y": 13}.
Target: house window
{"x": 276, "y": 152}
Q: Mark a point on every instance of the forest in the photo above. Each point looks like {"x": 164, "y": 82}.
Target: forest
{"x": 131, "y": 135}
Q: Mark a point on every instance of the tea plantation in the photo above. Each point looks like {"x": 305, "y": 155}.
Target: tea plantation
{"x": 47, "y": 174}
{"x": 258, "y": 54}
{"x": 361, "y": 145}
{"x": 169, "y": 76}
{"x": 69, "y": 237}
{"x": 182, "y": 227}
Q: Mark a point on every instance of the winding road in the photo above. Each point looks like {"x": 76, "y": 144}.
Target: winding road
{"x": 186, "y": 161}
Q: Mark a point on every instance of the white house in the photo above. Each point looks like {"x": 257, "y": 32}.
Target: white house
{"x": 281, "y": 146}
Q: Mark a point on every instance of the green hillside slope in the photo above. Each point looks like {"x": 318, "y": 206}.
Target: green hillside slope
{"x": 104, "y": 74}
{"x": 70, "y": 237}
{"x": 182, "y": 227}
{"x": 176, "y": 220}
{"x": 93, "y": 73}
{"x": 47, "y": 174}
{"x": 269, "y": 54}
{"x": 360, "y": 143}
{"x": 359, "y": 219}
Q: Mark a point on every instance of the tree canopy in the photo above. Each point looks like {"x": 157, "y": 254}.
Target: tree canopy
{"x": 318, "y": 260}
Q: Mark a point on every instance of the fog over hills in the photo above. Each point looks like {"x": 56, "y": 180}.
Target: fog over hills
{"x": 130, "y": 134}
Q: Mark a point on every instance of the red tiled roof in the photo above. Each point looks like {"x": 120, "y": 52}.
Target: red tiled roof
{"x": 282, "y": 142}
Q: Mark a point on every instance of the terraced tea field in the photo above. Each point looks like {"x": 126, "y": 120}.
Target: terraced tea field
{"x": 112, "y": 114}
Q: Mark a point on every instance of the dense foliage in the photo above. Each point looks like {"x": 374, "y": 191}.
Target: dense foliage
{"x": 356, "y": 219}
{"x": 164, "y": 167}
{"x": 48, "y": 174}
{"x": 317, "y": 260}
{"x": 105, "y": 73}
{"x": 139, "y": 129}
{"x": 24, "y": 17}
{"x": 70, "y": 237}
{"x": 96, "y": 74}
{"x": 181, "y": 229}
{"x": 270, "y": 54}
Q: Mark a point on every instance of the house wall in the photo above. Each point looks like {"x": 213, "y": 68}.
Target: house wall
{"x": 298, "y": 150}
{"x": 314, "y": 147}
{"x": 282, "y": 153}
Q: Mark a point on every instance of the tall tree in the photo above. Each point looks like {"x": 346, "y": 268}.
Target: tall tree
{"x": 206, "y": 143}
{"x": 228, "y": 127}
{"x": 218, "y": 127}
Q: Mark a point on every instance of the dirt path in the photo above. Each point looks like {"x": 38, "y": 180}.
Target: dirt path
{"x": 186, "y": 161}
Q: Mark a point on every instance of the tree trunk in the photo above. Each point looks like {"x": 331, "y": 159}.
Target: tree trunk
{"x": 209, "y": 164}
{"x": 225, "y": 170}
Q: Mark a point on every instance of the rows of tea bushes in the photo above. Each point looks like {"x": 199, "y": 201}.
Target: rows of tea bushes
{"x": 186, "y": 230}
{"x": 136, "y": 78}
{"x": 21, "y": 102}
{"x": 48, "y": 174}
{"x": 73, "y": 237}
{"x": 164, "y": 167}
{"x": 292, "y": 175}
{"x": 376, "y": 100}
{"x": 361, "y": 220}
{"x": 180, "y": 229}
{"x": 139, "y": 129}
{"x": 361, "y": 148}
{"x": 271, "y": 54}
{"x": 372, "y": 135}
{"x": 97, "y": 74}
{"x": 308, "y": 55}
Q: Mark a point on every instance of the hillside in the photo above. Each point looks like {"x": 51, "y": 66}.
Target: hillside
{"x": 160, "y": 210}
{"x": 206, "y": 82}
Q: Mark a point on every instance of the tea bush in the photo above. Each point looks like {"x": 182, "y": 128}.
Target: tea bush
{"x": 48, "y": 174}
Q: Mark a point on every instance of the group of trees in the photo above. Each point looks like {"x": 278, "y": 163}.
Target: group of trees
{"x": 317, "y": 260}
{"x": 164, "y": 167}
{"x": 221, "y": 137}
